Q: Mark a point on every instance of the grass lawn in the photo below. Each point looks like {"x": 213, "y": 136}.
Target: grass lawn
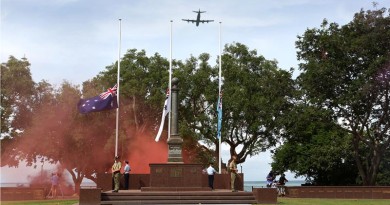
{"x": 300, "y": 201}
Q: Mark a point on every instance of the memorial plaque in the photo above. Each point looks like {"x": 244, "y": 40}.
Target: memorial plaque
{"x": 159, "y": 170}
{"x": 174, "y": 151}
{"x": 176, "y": 172}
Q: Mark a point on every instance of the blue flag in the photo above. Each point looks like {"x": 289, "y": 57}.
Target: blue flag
{"x": 219, "y": 109}
{"x": 104, "y": 101}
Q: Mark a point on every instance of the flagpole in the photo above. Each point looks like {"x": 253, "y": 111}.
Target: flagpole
{"x": 170, "y": 83}
{"x": 219, "y": 85}
{"x": 118, "y": 87}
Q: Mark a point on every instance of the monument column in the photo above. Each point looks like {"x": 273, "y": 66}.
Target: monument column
{"x": 175, "y": 175}
{"x": 175, "y": 141}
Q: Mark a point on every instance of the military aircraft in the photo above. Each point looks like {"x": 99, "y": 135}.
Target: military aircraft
{"x": 197, "y": 21}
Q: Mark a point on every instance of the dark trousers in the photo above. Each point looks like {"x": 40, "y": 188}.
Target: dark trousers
{"x": 211, "y": 181}
{"x": 113, "y": 183}
{"x": 127, "y": 176}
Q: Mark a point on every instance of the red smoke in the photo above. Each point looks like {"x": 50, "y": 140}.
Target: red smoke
{"x": 143, "y": 150}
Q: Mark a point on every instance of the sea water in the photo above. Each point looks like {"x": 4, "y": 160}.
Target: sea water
{"x": 248, "y": 185}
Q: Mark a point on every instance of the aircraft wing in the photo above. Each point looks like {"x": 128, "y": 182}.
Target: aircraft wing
{"x": 189, "y": 20}
{"x": 206, "y": 21}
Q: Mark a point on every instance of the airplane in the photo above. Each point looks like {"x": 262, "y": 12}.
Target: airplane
{"x": 197, "y": 21}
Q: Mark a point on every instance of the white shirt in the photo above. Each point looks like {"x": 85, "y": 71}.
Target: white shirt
{"x": 127, "y": 169}
{"x": 211, "y": 170}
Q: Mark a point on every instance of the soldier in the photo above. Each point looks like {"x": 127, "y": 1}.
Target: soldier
{"x": 233, "y": 172}
{"x": 116, "y": 173}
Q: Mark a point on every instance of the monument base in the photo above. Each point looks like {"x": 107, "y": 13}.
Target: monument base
{"x": 175, "y": 189}
{"x": 173, "y": 176}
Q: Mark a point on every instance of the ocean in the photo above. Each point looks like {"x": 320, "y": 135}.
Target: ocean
{"x": 262, "y": 184}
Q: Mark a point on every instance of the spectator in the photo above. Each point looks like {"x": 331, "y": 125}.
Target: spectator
{"x": 210, "y": 172}
{"x": 126, "y": 171}
{"x": 270, "y": 178}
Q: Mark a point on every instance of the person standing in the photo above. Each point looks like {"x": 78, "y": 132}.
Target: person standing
{"x": 282, "y": 180}
{"x": 233, "y": 172}
{"x": 126, "y": 171}
{"x": 270, "y": 178}
{"x": 281, "y": 185}
{"x": 210, "y": 172}
{"x": 116, "y": 173}
{"x": 54, "y": 185}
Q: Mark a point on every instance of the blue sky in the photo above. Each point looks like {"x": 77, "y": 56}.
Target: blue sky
{"x": 74, "y": 40}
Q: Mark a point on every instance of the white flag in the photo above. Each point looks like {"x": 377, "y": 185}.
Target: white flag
{"x": 167, "y": 109}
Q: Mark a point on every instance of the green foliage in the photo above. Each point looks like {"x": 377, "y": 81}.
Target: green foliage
{"x": 347, "y": 71}
{"x": 384, "y": 170}
{"x": 317, "y": 148}
{"x": 256, "y": 95}
{"x": 198, "y": 91}
{"x": 16, "y": 99}
{"x": 308, "y": 201}
{"x": 16, "y": 104}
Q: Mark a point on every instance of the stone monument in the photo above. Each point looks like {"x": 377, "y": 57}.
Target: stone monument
{"x": 175, "y": 175}
{"x": 175, "y": 141}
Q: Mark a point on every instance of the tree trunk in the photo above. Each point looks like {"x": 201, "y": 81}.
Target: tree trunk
{"x": 76, "y": 180}
{"x": 369, "y": 171}
{"x": 77, "y": 187}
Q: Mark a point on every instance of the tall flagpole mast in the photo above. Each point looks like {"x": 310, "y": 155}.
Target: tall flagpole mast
{"x": 170, "y": 83}
{"x": 219, "y": 85}
{"x": 117, "y": 94}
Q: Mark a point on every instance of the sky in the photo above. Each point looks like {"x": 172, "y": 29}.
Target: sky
{"x": 74, "y": 40}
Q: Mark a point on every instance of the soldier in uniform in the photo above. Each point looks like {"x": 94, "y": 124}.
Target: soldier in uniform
{"x": 233, "y": 172}
{"x": 116, "y": 173}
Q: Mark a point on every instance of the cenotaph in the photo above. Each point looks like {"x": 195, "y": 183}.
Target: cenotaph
{"x": 175, "y": 175}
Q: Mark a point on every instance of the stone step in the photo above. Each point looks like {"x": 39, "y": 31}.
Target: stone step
{"x": 200, "y": 197}
{"x": 196, "y": 193}
{"x": 120, "y": 198}
{"x": 205, "y": 201}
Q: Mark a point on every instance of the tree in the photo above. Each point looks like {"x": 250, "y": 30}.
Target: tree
{"x": 347, "y": 71}
{"x": 144, "y": 81}
{"x": 256, "y": 94}
{"x": 315, "y": 147}
{"x": 58, "y": 134}
{"x": 384, "y": 170}
{"x": 16, "y": 104}
{"x": 198, "y": 96}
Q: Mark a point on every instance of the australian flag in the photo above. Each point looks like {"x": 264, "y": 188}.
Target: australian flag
{"x": 105, "y": 101}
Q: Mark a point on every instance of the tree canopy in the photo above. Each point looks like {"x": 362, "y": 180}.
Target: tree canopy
{"x": 346, "y": 70}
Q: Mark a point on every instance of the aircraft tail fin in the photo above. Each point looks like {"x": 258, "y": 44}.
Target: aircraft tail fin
{"x": 199, "y": 11}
